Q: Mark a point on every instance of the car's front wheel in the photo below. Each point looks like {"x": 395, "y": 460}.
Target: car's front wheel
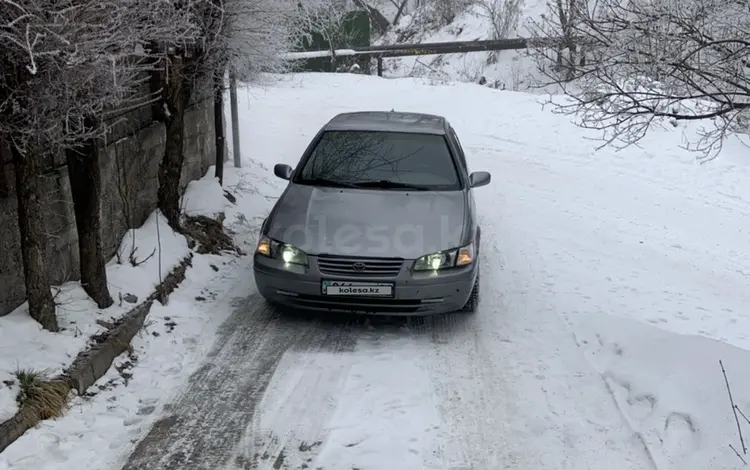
{"x": 472, "y": 304}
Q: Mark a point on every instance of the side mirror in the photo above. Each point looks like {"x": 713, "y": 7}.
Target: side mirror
{"x": 283, "y": 171}
{"x": 479, "y": 178}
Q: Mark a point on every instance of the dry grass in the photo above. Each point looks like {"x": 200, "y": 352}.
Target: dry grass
{"x": 39, "y": 398}
{"x": 208, "y": 235}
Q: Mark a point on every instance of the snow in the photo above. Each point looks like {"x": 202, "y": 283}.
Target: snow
{"x": 98, "y": 430}
{"x": 613, "y": 283}
{"x": 508, "y": 70}
{"x": 204, "y": 197}
{"x": 316, "y": 54}
{"x": 385, "y": 395}
{"x": 381, "y": 400}
{"x": 586, "y": 240}
{"x": 678, "y": 404}
{"x": 25, "y": 345}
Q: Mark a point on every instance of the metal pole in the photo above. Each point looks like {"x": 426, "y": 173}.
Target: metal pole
{"x": 226, "y": 141}
{"x": 235, "y": 119}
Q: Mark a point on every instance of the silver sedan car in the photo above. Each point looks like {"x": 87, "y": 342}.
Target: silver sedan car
{"x": 378, "y": 217}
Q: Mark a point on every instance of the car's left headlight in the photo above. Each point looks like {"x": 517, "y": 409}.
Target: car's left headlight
{"x": 285, "y": 252}
{"x": 455, "y": 257}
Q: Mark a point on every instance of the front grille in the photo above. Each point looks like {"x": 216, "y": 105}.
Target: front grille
{"x": 359, "y": 304}
{"x": 344, "y": 265}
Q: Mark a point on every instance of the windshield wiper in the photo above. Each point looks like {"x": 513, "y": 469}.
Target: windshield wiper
{"x": 391, "y": 184}
{"x": 326, "y": 182}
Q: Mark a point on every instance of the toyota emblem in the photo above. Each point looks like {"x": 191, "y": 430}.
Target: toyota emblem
{"x": 359, "y": 266}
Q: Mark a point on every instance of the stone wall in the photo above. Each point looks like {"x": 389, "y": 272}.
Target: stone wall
{"x": 129, "y": 183}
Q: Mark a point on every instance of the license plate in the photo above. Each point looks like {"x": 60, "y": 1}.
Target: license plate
{"x": 363, "y": 289}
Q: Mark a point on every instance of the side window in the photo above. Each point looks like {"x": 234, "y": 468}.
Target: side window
{"x": 460, "y": 149}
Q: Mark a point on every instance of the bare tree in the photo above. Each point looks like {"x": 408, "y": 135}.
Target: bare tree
{"x": 401, "y": 6}
{"x": 562, "y": 21}
{"x": 247, "y": 35}
{"x": 65, "y": 68}
{"x": 648, "y": 61}
{"x": 447, "y": 10}
{"x": 504, "y": 16}
{"x": 329, "y": 19}
{"x": 173, "y": 80}
{"x": 254, "y": 36}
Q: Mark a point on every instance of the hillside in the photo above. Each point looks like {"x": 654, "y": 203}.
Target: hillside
{"x": 510, "y": 70}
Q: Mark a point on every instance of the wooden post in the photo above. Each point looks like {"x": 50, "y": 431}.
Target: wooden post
{"x": 380, "y": 66}
{"x": 235, "y": 119}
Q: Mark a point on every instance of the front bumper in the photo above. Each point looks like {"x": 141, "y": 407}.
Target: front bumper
{"x": 415, "y": 294}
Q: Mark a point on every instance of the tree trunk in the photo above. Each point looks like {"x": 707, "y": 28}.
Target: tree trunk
{"x": 562, "y": 18}
{"x": 219, "y": 125}
{"x": 176, "y": 96}
{"x": 31, "y": 224}
{"x": 332, "y": 47}
{"x": 170, "y": 170}
{"x": 4, "y": 187}
{"x": 85, "y": 184}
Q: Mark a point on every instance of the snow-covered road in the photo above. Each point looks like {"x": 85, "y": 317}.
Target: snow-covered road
{"x": 568, "y": 234}
{"x": 452, "y": 392}
{"x": 584, "y": 255}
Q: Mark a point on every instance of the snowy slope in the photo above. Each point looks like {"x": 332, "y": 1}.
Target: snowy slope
{"x": 509, "y": 70}
{"x": 613, "y": 283}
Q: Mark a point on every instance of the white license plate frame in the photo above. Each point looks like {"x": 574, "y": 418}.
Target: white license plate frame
{"x": 340, "y": 288}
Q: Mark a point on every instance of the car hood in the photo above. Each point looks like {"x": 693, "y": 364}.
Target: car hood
{"x": 358, "y": 222}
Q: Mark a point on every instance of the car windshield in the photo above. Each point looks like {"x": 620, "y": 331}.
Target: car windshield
{"x": 383, "y": 160}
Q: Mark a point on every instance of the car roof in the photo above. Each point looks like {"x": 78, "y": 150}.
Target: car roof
{"x": 388, "y": 121}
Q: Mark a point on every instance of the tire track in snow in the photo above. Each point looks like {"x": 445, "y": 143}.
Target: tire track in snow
{"x": 300, "y": 415}
{"x": 471, "y": 395}
{"x": 205, "y": 425}
{"x": 301, "y": 394}
{"x": 516, "y": 391}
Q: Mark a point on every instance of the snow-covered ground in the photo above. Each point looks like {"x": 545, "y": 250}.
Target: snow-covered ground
{"x": 26, "y": 346}
{"x": 613, "y": 283}
{"x": 509, "y": 70}
{"x": 99, "y": 428}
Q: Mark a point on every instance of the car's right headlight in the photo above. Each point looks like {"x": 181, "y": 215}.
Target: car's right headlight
{"x": 283, "y": 251}
{"x": 446, "y": 259}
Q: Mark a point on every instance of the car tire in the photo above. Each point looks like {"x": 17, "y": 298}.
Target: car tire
{"x": 472, "y": 304}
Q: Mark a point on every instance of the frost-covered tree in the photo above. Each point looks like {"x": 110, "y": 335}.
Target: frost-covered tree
{"x": 647, "y": 61}
{"x": 329, "y": 19}
{"x": 557, "y": 50}
{"x": 67, "y": 65}
{"x": 246, "y": 36}
{"x": 503, "y": 15}
{"x": 447, "y": 10}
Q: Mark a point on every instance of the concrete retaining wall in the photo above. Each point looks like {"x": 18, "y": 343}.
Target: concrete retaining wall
{"x": 129, "y": 183}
